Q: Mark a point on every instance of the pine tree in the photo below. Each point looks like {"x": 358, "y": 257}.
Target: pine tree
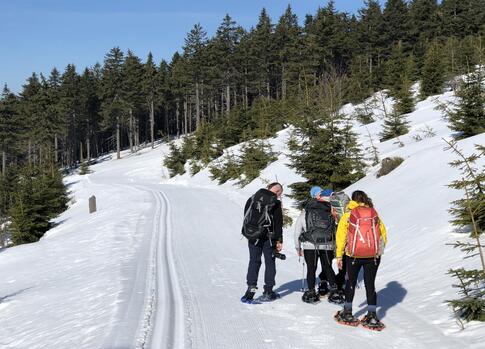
{"x": 89, "y": 110}
{"x": 424, "y": 25}
{"x": 328, "y": 153}
{"x": 468, "y": 114}
{"x": 29, "y": 110}
{"x": 70, "y": 110}
{"x": 432, "y": 73}
{"x": 469, "y": 213}
{"x": 132, "y": 96}
{"x": 57, "y": 127}
{"x": 461, "y": 18}
{"x": 394, "y": 125}
{"x": 403, "y": 95}
{"x": 287, "y": 38}
{"x": 153, "y": 92}
{"x": 194, "y": 45}
{"x": 359, "y": 83}
{"x": 370, "y": 38}
{"x": 36, "y": 201}
{"x": 256, "y": 156}
{"x": 112, "y": 104}
{"x": 262, "y": 54}
{"x": 395, "y": 69}
{"x": 9, "y": 135}
{"x": 396, "y": 24}
{"x": 175, "y": 160}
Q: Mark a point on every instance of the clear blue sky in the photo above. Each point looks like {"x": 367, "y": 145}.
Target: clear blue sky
{"x": 37, "y": 35}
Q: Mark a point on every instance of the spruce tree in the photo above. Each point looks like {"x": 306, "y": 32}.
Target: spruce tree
{"x": 396, "y": 24}
{"x": 113, "y": 107}
{"x": 89, "y": 111}
{"x": 9, "y": 128}
{"x": 262, "y": 54}
{"x": 55, "y": 114}
{"x": 404, "y": 97}
{"x": 195, "y": 43}
{"x": 432, "y": 73}
{"x": 287, "y": 39}
{"x": 370, "y": 38}
{"x": 469, "y": 213}
{"x": 152, "y": 91}
{"x": 327, "y": 153}
{"x": 395, "y": 69}
{"x": 256, "y": 156}
{"x": 31, "y": 210}
{"x": 424, "y": 25}
{"x": 468, "y": 114}
{"x": 175, "y": 160}
{"x": 132, "y": 95}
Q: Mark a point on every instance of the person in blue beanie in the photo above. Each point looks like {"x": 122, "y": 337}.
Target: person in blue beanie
{"x": 315, "y": 240}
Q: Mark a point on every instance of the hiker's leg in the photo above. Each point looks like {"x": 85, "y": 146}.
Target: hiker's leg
{"x": 311, "y": 267}
{"x": 370, "y": 271}
{"x": 322, "y": 275}
{"x": 326, "y": 258}
{"x": 340, "y": 277}
{"x": 353, "y": 267}
{"x": 255, "y": 251}
{"x": 269, "y": 265}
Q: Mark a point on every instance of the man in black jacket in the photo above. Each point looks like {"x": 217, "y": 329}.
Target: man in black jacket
{"x": 267, "y": 245}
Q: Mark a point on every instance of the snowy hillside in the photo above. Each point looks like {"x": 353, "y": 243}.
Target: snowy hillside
{"x": 162, "y": 263}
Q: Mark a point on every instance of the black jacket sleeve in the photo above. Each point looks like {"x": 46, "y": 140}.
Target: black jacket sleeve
{"x": 278, "y": 222}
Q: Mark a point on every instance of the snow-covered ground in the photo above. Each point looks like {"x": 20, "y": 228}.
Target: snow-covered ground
{"x": 162, "y": 263}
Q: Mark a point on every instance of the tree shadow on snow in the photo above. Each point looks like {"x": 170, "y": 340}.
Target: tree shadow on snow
{"x": 289, "y": 287}
{"x": 388, "y": 297}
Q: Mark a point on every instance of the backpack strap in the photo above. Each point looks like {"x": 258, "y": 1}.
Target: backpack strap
{"x": 249, "y": 208}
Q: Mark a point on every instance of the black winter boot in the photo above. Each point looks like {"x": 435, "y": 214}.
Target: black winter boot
{"x": 372, "y": 322}
{"x": 310, "y": 296}
{"x": 345, "y": 317}
{"x": 323, "y": 288}
{"x": 269, "y": 296}
{"x": 249, "y": 295}
{"x": 334, "y": 295}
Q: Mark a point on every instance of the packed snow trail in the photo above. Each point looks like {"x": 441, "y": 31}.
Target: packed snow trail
{"x": 211, "y": 262}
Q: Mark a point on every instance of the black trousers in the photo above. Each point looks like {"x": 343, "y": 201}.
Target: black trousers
{"x": 340, "y": 277}
{"x": 311, "y": 260}
{"x": 265, "y": 248}
{"x": 370, "y": 266}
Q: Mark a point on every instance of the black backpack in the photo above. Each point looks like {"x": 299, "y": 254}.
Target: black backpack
{"x": 257, "y": 219}
{"x": 320, "y": 224}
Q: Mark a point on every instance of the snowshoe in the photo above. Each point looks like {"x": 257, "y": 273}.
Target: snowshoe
{"x": 310, "y": 297}
{"x": 335, "y": 297}
{"x": 323, "y": 288}
{"x": 249, "y": 295}
{"x": 371, "y": 322}
{"x": 269, "y": 296}
{"x": 345, "y": 317}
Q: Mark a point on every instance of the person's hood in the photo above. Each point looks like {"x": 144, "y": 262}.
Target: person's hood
{"x": 353, "y": 204}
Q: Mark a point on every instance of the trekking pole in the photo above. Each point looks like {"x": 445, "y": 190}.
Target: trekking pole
{"x": 302, "y": 289}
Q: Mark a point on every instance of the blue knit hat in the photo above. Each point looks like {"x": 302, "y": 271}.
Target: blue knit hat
{"x": 326, "y": 192}
{"x": 315, "y": 190}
